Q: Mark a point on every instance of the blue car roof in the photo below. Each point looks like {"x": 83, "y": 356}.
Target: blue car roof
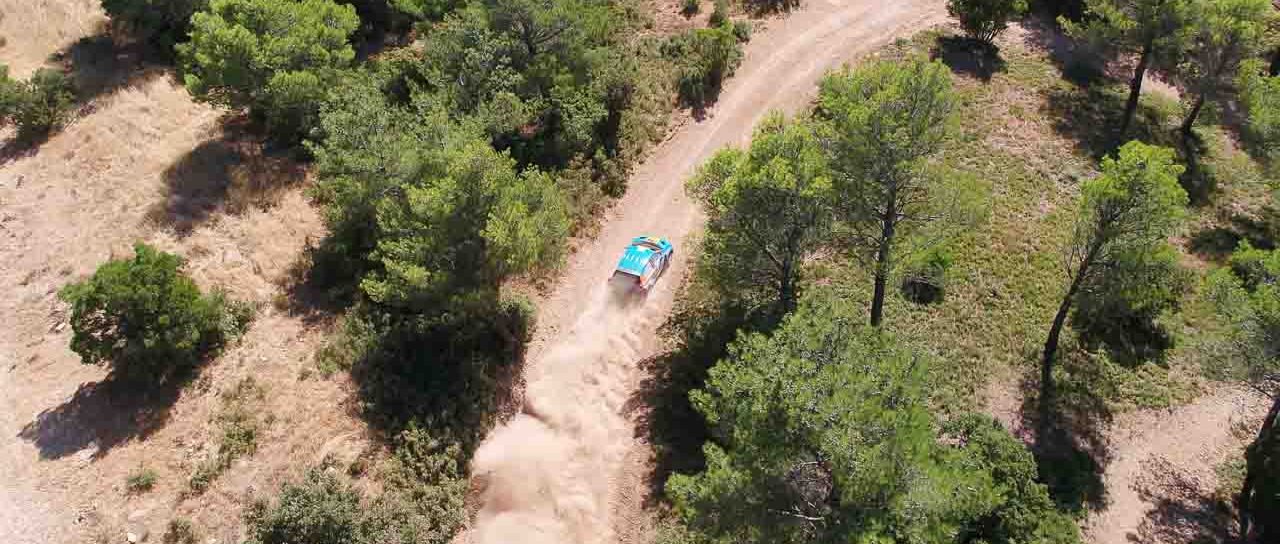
{"x": 638, "y": 254}
{"x": 635, "y": 259}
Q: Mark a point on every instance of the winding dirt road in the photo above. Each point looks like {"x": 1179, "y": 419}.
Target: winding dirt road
{"x": 569, "y": 467}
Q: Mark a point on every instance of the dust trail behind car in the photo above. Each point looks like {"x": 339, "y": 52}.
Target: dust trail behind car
{"x": 546, "y": 472}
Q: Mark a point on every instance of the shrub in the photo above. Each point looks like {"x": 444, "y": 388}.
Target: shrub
{"x": 146, "y": 318}
{"x": 180, "y": 531}
{"x": 984, "y": 20}
{"x": 691, "y": 8}
{"x": 11, "y": 95}
{"x": 43, "y": 104}
{"x": 320, "y": 510}
{"x": 161, "y": 23}
{"x": 925, "y": 277}
{"x": 705, "y": 56}
{"x": 719, "y": 14}
{"x": 742, "y": 30}
{"x": 239, "y": 424}
{"x": 140, "y": 481}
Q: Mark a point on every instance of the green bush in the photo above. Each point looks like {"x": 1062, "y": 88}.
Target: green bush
{"x": 180, "y": 531}
{"x": 742, "y": 30}
{"x": 984, "y": 20}
{"x": 421, "y": 501}
{"x": 145, "y": 318}
{"x": 43, "y": 105}
{"x": 925, "y": 276}
{"x": 140, "y": 481}
{"x": 161, "y": 23}
{"x": 719, "y": 14}
{"x": 276, "y": 57}
{"x": 11, "y": 96}
{"x": 1121, "y": 308}
{"x": 705, "y": 57}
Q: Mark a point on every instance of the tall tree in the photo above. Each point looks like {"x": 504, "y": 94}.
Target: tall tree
{"x": 823, "y": 434}
{"x": 1154, "y": 30}
{"x": 768, "y": 208}
{"x": 276, "y": 57}
{"x": 1248, "y": 296}
{"x": 883, "y": 122}
{"x": 1126, "y": 215}
{"x": 1228, "y": 32}
{"x": 1260, "y": 96}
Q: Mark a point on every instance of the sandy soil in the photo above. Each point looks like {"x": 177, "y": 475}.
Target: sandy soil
{"x": 144, "y": 162}
{"x": 570, "y": 468}
{"x": 1160, "y": 481}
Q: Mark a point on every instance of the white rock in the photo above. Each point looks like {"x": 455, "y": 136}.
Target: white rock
{"x": 132, "y": 538}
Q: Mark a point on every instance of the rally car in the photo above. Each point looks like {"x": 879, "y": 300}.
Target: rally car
{"x": 644, "y": 261}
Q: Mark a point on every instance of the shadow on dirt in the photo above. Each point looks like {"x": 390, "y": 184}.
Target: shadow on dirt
{"x": 231, "y": 174}
{"x": 102, "y": 415}
{"x": 1071, "y": 448}
{"x": 969, "y": 57}
{"x": 96, "y": 66}
{"x": 1183, "y": 510}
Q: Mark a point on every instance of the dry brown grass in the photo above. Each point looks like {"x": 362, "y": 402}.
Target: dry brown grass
{"x": 144, "y": 162}
{"x": 34, "y": 29}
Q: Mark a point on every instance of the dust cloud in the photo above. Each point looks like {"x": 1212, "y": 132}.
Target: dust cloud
{"x": 548, "y": 474}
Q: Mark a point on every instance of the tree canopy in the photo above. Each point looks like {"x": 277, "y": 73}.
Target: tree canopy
{"x": 1125, "y": 217}
{"x": 823, "y": 434}
{"x": 984, "y": 20}
{"x": 1227, "y": 33}
{"x": 768, "y": 208}
{"x": 276, "y": 57}
{"x": 1157, "y": 31}
{"x": 882, "y": 123}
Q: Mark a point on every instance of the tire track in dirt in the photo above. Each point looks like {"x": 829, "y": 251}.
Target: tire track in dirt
{"x": 569, "y": 467}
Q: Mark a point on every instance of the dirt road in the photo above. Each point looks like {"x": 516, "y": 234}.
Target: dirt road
{"x": 569, "y": 467}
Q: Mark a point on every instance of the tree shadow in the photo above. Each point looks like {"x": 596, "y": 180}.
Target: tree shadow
{"x": 452, "y": 372}
{"x": 102, "y": 415}
{"x": 1078, "y": 62}
{"x": 231, "y": 174}
{"x": 1183, "y": 511}
{"x": 1070, "y": 447}
{"x": 96, "y": 66}
{"x": 661, "y": 408}
{"x": 1090, "y": 116}
{"x": 969, "y": 57}
{"x": 1217, "y": 243}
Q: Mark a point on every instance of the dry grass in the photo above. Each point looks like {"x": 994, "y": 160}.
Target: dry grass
{"x": 144, "y": 162}
{"x": 35, "y": 29}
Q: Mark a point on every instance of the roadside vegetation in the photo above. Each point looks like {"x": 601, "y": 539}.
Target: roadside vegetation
{"x": 1099, "y": 244}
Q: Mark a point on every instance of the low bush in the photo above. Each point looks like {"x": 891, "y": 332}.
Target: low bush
{"x": 147, "y": 319}
{"x": 37, "y": 106}
{"x": 239, "y": 423}
{"x": 421, "y": 502}
{"x": 925, "y": 277}
{"x": 719, "y": 14}
{"x": 705, "y": 58}
{"x": 140, "y": 481}
{"x": 180, "y": 531}
{"x": 690, "y": 8}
